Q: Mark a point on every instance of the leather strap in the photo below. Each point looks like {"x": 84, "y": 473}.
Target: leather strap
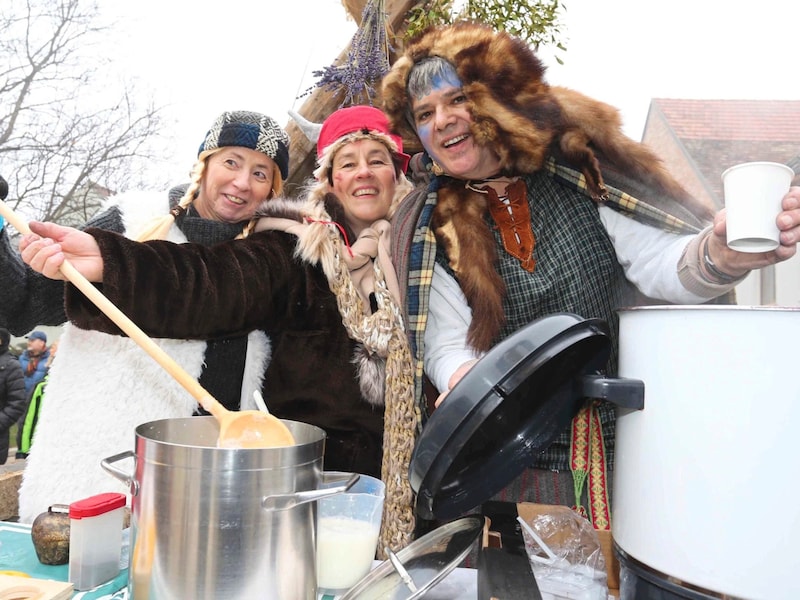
{"x": 513, "y": 218}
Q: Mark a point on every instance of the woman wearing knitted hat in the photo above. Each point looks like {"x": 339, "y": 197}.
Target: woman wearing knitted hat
{"x": 316, "y": 276}
{"x": 102, "y": 386}
{"x": 525, "y": 215}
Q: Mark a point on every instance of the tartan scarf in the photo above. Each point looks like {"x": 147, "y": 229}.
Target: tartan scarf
{"x": 622, "y": 202}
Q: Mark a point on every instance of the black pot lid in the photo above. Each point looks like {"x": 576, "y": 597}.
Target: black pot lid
{"x": 422, "y": 564}
{"x": 504, "y": 411}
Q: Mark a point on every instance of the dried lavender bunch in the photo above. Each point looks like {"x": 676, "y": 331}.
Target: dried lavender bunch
{"x": 367, "y": 60}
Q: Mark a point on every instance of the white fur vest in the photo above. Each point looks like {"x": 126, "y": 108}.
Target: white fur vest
{"x": 101, "y": 387}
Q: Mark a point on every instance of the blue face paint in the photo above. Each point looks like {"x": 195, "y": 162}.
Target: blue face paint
{"x": 445, "y": 77}
{"x": 424, "y": 132}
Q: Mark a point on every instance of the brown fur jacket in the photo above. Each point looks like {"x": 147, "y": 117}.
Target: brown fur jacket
{"x": 190, "y": 291}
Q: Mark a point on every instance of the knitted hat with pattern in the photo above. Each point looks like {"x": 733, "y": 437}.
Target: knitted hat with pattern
{"x": 250, "y": 130}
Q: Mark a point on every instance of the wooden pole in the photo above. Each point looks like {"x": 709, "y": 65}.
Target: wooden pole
{"x": 321, "y": 103}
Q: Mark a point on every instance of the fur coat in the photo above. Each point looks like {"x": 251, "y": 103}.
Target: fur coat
{"x": 238, "y": 286}
{"x": 101, "y": 387}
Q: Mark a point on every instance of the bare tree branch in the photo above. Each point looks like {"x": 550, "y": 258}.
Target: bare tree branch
{"x": 68, "y": 133}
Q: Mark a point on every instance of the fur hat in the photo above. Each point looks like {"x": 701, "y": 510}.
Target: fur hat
{"x": 525, "y": 122}
{"x": 498, "y": 72}
{"x": 356, "y": 122}
{"x": 250, "y": 130}
{"x": 524, "y": 119}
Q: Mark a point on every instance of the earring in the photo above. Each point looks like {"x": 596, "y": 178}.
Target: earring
{"x": 437, "y": 169}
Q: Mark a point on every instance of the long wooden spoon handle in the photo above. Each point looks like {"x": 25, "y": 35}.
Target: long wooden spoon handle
{"x": 132, "y": 330}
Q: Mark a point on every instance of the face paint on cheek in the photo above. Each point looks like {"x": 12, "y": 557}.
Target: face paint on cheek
{"x": 337, "y": 179}
{"x": 425, "y": 133}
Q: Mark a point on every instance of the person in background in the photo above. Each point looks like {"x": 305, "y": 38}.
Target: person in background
{"x": 12, "y": 392}
{"x": 53, "y": 353}
{"x": 34, "y": 359}
{"x": 34, "y": 404}
{"x": 103, "y": 386}
{"x": 316, "y": 275}
{"x": 34, "y": 362}
{"x": 537, "y": 203}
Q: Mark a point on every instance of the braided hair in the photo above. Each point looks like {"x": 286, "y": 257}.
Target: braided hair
{"x": 159, "y": 228}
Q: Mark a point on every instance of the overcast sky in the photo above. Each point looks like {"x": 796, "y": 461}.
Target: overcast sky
{"x": 259, "y": 55}
{"x": 202, "y": 59}
{"x": 626, "y": 52}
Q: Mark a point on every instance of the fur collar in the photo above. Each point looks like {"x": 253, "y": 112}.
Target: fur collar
{"x": 310, "y": 220}
{"x": 307, "y": 219}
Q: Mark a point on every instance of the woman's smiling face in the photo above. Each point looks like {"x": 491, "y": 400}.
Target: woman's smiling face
{"x": 364, "y": 180}
{"x": 235, "y": 182}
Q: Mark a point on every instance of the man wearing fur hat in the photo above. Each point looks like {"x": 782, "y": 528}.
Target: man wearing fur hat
{"x": 537, "y": 204}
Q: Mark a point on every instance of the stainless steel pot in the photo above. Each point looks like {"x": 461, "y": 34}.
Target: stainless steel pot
{"x": 211, "y": 523}
{"x": 704, "y": 483}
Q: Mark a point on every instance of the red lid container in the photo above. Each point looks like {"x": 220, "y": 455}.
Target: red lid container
{"x": 96, "y": 505}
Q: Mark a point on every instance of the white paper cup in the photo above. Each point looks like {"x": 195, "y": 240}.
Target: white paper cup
{"x": 348, "y": 525}
{"x": 753, "y": 193}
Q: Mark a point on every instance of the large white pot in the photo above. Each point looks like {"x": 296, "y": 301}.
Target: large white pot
{"x": 706, "y": 475}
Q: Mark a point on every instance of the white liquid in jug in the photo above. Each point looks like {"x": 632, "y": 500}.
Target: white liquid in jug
{"x": 345, "y": 551}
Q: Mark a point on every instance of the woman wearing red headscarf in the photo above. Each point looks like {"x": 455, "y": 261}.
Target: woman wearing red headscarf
{"x": 316, "y": 276}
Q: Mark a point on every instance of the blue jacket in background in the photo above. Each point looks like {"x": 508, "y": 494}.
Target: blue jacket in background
{"x": 37, "y": 373}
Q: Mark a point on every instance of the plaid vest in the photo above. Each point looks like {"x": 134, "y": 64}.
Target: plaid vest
{"x": 576, "y": 269}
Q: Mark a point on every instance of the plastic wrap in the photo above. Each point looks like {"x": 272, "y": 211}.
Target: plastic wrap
{"x": 565, "y": 555}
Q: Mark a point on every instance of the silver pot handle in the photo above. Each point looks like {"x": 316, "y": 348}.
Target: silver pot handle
{"x": 117, "y": 473}
{"x": 287, "y": 501}
{"x": 625, "y": 393}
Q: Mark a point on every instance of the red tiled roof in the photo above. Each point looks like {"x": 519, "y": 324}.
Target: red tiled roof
{"x": 754, "y": 120}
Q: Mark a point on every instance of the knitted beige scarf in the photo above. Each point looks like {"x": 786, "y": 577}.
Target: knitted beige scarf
{"x": 381, "y": 332}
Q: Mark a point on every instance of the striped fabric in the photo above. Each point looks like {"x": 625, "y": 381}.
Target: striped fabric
{"x": 622, "y": 202}
{"x": 421, "y": 258}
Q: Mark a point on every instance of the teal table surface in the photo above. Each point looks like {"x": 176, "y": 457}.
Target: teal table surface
{"x": 18, "y": 554}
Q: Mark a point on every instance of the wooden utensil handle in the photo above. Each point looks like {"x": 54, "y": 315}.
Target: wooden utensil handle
{"x": 189, "y": 383}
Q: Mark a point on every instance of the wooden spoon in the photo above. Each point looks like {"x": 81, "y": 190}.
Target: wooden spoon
{"x": 262, "y": 406}
{"x": 237, "y": 429}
